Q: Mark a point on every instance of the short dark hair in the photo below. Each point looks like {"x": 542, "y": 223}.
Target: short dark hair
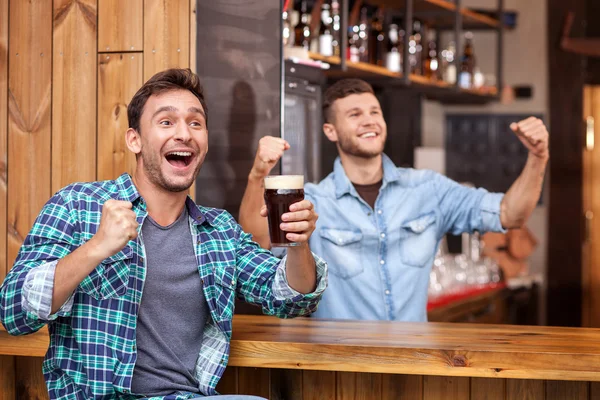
{"x": 342, "y": 89}
{"x": 170, "y": 79}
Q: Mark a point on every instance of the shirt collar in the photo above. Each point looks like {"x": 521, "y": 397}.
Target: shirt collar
{"x": 343, "y": 184}
{"x": 128, "y": 192}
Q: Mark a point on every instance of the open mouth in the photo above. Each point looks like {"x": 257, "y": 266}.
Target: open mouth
{"x": 179, "y": 159}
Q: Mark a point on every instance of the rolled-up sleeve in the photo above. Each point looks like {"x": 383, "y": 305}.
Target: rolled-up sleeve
{"x": 283, "y": 291}
{"x": 38, "y": 290}
{"x": 465, "y": 209}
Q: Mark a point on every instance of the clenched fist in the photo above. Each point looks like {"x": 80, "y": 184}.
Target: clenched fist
{"x": 270, "y": 150}
{"x": 533, "y": 134}
{"x": 118, "y": 225}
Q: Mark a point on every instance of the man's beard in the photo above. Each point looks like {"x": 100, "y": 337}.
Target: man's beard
{"x": 155, "y": 175}
{"x": 352, "y": 148}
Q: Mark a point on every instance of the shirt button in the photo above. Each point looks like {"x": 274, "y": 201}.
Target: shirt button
{"x": 383, "y": 235}
{"x": 340, "y": 240}
{"x": 379, "y": 212}
{"x": 382, "y": 262}
{"x": 387, "y": 292}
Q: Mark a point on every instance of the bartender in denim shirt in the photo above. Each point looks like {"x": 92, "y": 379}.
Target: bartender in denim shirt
{"x": 379, "y": 225}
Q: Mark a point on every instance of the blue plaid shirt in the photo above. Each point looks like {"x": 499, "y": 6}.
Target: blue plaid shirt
{"x": 92, "y": 350}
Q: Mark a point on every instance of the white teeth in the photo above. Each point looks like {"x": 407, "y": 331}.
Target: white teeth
{"x": 180, "y": 153}
{"x": 368, "y": 135}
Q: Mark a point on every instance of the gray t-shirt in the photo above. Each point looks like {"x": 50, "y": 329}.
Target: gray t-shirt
{"x": 172, "y": 314}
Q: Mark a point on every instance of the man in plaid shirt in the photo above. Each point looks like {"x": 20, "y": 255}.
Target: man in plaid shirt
{"x": 131, "y": 318}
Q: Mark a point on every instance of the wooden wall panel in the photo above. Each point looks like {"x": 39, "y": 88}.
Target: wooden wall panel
{"x": 524, "y": 389}
{"x": 119, "y": 77}
{"x": 120, "y": 25}
{"x": 286, "y": 384}
{"x": 166, "y": 35}
{"x": 7, "y": 378}
{"x": 488, "y": 389}
{"x": 30, "y": 380}
{"x": 74, "y": 93}
{"x": 318, "y": 385}
{"x": 595, "y": 391}
{"x": 402, "y": 387}
{"x": 358, "y": 386}
{"x": 445, "y": 387}
{"x": 567, "y": 390}
{"x": 228, "y": 384}
{"x": 3, "y": 133}
{"x": 30, "y": 95}
{"x": 254, "y": 381}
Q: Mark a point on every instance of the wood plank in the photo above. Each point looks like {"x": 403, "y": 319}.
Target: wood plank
{"x": 358, "y": 386}
{"x": 254, "y": 381}
{"x": 525, "y": 389}
{"x": 567, "y": 74}
{"x": 30, "y": 380}
{"x": 567, "y": 390}
{"x": 33, "y": 345}
{"x": 29, "y": 129}
{"x": 402, "y": 387}
{"x": 3, "y": 134}
{"x": 595, "y": 391}
{"x": 445, "y": 387}
{"x": 74, "y": 93}
{"x": 318, "y": 385}
{"x": 477, "y": 350}
{"x": 119, "y": 77}
{"x": 172, "y": 47}
{"x": 286, "y": 384}
{"x": 488, "y": 389}
{"x": 228, "y": 384}
{"x": 120, "y": 25}
{"x": 193, "y": 50}
{"x": 7, "y": 377}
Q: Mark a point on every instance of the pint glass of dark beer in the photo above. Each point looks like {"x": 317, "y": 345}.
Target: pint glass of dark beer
{"x": 281, "y": 191}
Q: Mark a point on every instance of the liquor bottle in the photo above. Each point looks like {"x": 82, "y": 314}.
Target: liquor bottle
{"x": 325, "y": 35}
{"x": 363, "y": 36}
{"x": 302, "y": 29}
{"x": 467, "y": 65}
{"x": 353, "y": 39}
{"x": 336, "y": 26}
{"x": 377, "y": 42}
{"x": 287, "y": 28}
{"x": 393, "y": 58}
{"x": 431, "y": 64}
{"x": 415, "y": 49}
{"x": 449, "y": 66}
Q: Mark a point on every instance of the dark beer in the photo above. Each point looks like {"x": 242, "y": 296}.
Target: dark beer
{"x": 280, "y": 193}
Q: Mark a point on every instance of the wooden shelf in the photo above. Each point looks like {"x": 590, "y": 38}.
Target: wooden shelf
{"x": 435, "y": 90}
{"x": 440, "y": 14}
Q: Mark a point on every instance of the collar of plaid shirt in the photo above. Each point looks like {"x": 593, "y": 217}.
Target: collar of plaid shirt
{"x": 92, "y": 350}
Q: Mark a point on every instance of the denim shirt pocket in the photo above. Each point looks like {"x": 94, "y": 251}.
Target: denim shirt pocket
{"x": 418, "y": 240}
{"x": 342, "y": 250}
{"x": 110, "y": 279}
{"x": 226, "y": 283}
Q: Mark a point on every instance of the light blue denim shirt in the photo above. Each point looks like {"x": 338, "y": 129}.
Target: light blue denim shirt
{"x": 379, "y": 259}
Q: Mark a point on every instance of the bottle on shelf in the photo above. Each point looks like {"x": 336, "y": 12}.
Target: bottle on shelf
{"x": 336, "y": 26}
{"x": 431, "y": 63}
{"x": 377, "y": 42}
{"x": 415, "y": 49}
{"x": 448, "y": 64}
{"x": 287, "y": 29}
{"x": 302, "y": 29}
{"x": 467, "y": 65}
{"x": 363, "y": 36}
{"x": 353, "y": 40}
{"x": 325, "y": 34}
{"x": 395, "y": 53}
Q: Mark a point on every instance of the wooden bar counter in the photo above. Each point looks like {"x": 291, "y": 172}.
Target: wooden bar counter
{"x": 322, "y": 359}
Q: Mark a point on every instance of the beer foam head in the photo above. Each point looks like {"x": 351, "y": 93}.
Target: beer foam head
{"x": 284, "y": 182}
